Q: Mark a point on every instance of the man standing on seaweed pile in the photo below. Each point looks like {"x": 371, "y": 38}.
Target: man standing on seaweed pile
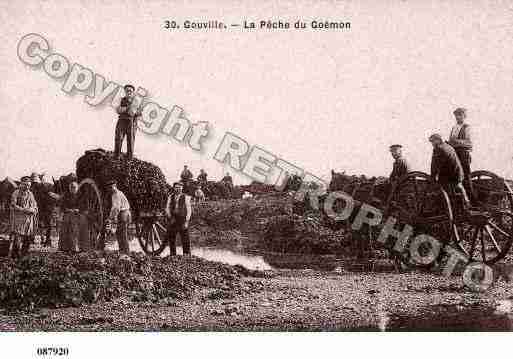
{"x": 127, "y": 123}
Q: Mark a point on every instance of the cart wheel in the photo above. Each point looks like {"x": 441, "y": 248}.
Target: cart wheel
{"x": 152, "y": 235}
{"x": 90, "y": 195}
{"x": 485, "y": 234}
{"x": 418, "y": 201}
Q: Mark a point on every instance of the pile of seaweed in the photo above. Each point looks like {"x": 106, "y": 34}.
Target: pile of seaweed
{"x": 60, "y": 280}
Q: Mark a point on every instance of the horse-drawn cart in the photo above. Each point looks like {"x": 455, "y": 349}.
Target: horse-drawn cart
{"x": 483, "y": 232}
{"x": 148, "y": 227}
{"x": 145, "y": 187}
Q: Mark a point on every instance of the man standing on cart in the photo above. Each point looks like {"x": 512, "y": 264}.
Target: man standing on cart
{"x": 400, "y": 167}
{"x": 446, "y": 168}
{"x": 127, "y": 123}
{"x": 462, "y": 143}
{"x": 179, "y": 212}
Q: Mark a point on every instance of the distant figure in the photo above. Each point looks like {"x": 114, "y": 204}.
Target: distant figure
{"x": 23, "y": 218}
{"x": 179, "y": 212}
{"x": 199, "y": 196}
{"x": 186, "y": 175}
{"x": 400, "y": 167}
{"x": 227, "y": 179}
{"x": 461, "y": 141}
{"x": 202, "y": 177}
{"x": 247, "y": 195}
{"x": 127, "y": 123}
{"x": 120, "y": 211}
{"x": 446, "y": 167}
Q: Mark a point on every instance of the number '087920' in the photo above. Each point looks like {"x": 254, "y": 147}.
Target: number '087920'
{"x": 52, "y": 351}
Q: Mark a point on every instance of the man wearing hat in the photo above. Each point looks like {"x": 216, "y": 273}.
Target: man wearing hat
{"x": 462, "y": 143}
{"x": 127, "y": 123}
{"x": 120, "y": 210}
{"x": 400, "y": 167}
{"x": 446, "y": 168}
{"x": 179, "y": 212}
{"x": 23, "y": 217}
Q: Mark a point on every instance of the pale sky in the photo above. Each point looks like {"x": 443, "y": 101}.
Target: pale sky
{"x": 320, "y": 99}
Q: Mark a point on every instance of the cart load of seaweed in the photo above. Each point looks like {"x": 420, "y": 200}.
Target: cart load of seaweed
{"x": 142, "y": 182}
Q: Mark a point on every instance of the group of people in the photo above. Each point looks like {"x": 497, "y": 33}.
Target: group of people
{"x": 74, "y": 234}
{"x": 450, "y": 163}
{"x": 450, "y": 167}
{"x": 187, "y": 178}
{"x": 178, "y": 211}
{"x": 28, "y": 213}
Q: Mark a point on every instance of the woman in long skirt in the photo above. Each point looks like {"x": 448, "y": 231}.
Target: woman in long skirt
{"x": 73, "y": 234}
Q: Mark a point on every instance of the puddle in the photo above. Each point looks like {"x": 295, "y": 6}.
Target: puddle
{"x": 222, "y": 255}
{"x": 255, "y": 260}
{"x": 455, "y": 318}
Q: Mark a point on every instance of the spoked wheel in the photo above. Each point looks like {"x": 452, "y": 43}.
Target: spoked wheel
{"x": 152, "y": 234}
{"x": 485, "y": 234}
{"x": 418, "y": 201}
{"x": 90, "y": 196}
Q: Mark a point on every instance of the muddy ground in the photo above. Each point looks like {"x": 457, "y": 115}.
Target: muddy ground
{"x": 303, "y": 300}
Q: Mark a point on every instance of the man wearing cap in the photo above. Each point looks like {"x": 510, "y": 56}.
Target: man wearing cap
{"x": 179, "y": 212}
{"x": 23, "y": 217}
{"x": 202, "y": 177}
{"x": 446, "y": 167}
{"x": 461, "y": 141}
{"x": 127, "y": 123}
{"x": 401, "y": 167}
{"x": 120, "y": 210}
{"x": 186, "y": 174}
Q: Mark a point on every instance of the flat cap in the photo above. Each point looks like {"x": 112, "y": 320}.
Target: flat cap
{"x": 435, "y": 136}
{"x": 460, "y": 110}
{"x": 110, "y": 182}
{"x": 178, "y": 184}
{"x": 129, "y": 86}
{"x": 25, "y": 179}
{"x": 396, "y": 146}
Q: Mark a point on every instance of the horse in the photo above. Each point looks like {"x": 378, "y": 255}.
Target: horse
{"x": 7, "y": 187}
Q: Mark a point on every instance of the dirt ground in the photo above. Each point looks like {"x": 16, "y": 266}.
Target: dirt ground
{"x": 299, "y": 300}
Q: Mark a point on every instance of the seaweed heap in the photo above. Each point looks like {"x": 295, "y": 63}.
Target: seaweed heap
{"x": 258, "y": 188}
{"x": 59, "y": 280}
{"x": 142, "y": 182}
{"x": 303, "y": 235}
{"x": 247, "y": 215}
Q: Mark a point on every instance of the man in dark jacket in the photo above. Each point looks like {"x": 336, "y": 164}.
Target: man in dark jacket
{"x": 179, "y": 212}
{"x": 446, "y": 167}
{"x": 202, "y": 177}
{"x": 461, "y": 141}
{"x": 186, "y": 175}
{"x": 400, "y": 167}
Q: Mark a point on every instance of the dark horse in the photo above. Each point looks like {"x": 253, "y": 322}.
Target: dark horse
{"x": 47, "y": 203}
{"x": 372, "y": 191}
